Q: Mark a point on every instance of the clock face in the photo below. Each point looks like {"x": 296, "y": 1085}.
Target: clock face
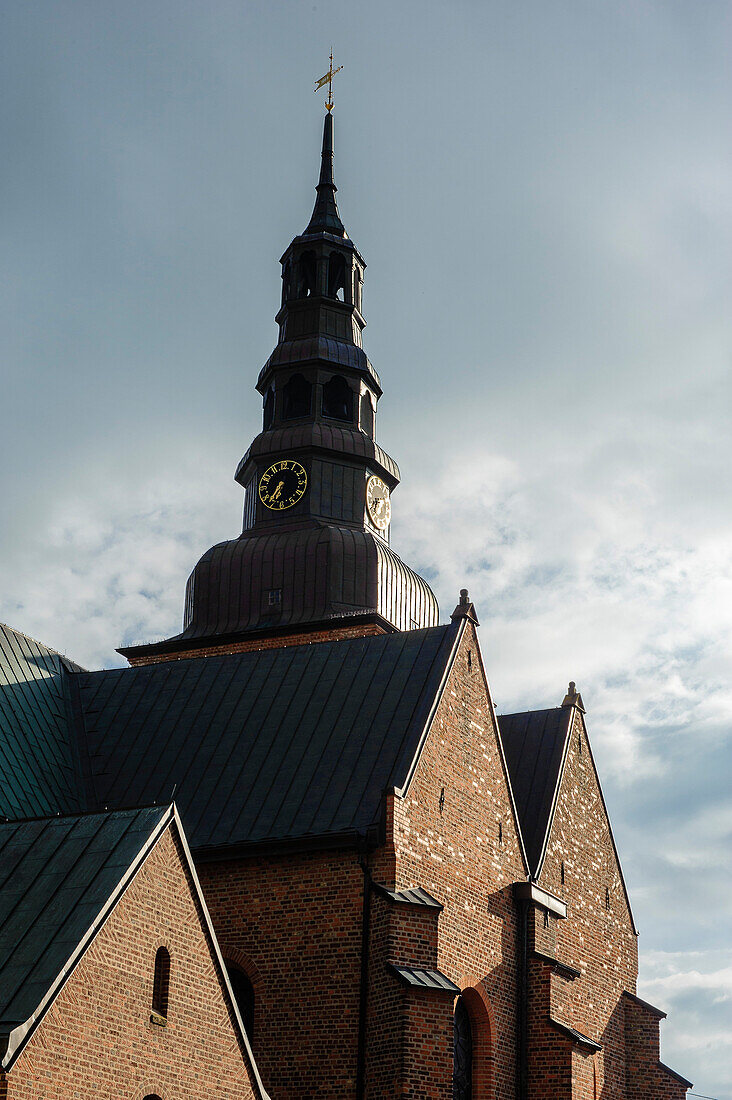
{"x": 377, "y": 503}
{"x": 282, "y": 484}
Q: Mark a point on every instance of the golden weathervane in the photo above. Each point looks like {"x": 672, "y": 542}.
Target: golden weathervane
{"x": 328, "y": 79}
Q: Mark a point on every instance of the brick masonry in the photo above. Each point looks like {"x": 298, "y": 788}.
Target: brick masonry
{"x": 97, "y": 1041}
{"x": 294, "y": 923}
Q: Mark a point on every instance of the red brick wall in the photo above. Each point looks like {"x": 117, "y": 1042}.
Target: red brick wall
{"x": 96, "y": 1042}
{"x": 462, "y": 858}
{"x": 645, "y": 1076}
{"x": 297, "y": 919}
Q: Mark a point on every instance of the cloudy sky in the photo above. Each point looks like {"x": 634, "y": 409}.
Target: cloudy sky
{"x": 543, "y": 193}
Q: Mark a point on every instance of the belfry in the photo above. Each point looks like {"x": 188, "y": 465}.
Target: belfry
{"x": 314, "y": 554}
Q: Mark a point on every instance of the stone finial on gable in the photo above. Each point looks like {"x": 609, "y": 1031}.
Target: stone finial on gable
{"x": 573, "y": 698}
{"x": 465, "y": 609}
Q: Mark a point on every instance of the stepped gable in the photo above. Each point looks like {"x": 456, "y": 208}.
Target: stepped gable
{"x": 315, "y": 550}
{"x": 272, "y": 746}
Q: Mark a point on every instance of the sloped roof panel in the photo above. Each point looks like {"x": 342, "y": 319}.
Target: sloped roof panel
{"x": 271, "y": 745}
{"x": 534, "y": 742}
{"x": 56, "y": 875}
{"x": 37, "y": 756}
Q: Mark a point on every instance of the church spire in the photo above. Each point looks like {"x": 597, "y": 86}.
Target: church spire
{"x": 314, "y": 553}
{"x": 325, "y": 217}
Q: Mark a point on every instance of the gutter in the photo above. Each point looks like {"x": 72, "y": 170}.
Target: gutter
{"x": 522, "y": 1000}
{"x": 364, "y": 987}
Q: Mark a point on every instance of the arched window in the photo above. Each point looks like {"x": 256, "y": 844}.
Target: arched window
{"x": 338, "y": 399}
{"x": 286, "y": 282}
{"x": 296, "y": 397}
{"x": 357, "y": 285}
{"x": 306, "y": 275}
{"x": 152, "y": 1096}
{"x": 337, "y": 276}
{"x": 269, "y": 408}
{"x": 161, "y": 982}
{"x": 243, "y": 995}
{"x": 366, "y": 415}
{"x": 462, "y": 1065}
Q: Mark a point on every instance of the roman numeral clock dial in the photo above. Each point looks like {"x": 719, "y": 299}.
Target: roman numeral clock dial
{"x": 282, "y": 484}
{"x": 378, "y": 503}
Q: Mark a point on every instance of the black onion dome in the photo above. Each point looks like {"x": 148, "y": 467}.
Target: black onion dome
{"x": 323, "y": 573}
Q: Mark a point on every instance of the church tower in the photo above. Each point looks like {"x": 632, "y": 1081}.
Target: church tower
{"x": 314, "y": 557}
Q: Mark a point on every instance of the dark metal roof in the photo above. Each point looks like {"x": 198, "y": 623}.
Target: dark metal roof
{"x": 273, "y": 745}
{"x": 319, "y": 348}
{"x": 415, "y": 896}
{"x": 676, "y": 1076}
{"x": 433, "y": 980}
{"x": 324, "y": 573}
{"x": 56, "y": 874}
{"x": 325, "y": 217}
{"x": 576, "y": 1036}
{"x": 534, "y": 744}
{"x": 322, "y": 437}
{"x": 37, "y": 758}
{"x": 657, "y": 1012}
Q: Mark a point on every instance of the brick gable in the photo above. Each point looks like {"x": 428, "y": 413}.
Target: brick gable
{"x": 97, "y": 1040}
{"x": 467, "y": 853}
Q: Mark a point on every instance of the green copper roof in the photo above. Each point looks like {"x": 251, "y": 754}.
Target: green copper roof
{"x": 37, "y": 755}
{"x": 56, "y": 877}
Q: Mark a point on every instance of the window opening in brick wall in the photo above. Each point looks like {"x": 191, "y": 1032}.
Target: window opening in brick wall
{"x": 470, "y": 659}
{"x": 462, "y": 1065}
{"x": 579, "y": 743}
{"x": 500, "y": 832}
{"x": 152, "y": 1096}
{"x": 607, "y": 897}
{"x": 161, "y": 983}
{"x": 561, "y": 872}
{"x": 442, "y": 799}
{"x": 243, "y": 995}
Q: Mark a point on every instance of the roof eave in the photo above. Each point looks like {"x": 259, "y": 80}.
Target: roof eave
{"x": 22, "y": 1032}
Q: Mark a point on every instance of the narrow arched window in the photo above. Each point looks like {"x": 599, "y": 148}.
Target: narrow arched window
{"x": 152, "y": 1096}
{"x": 161, "y": 982}
{"x": 296, "y": 397}
{"x": 337, "y": 276}
{"x": 243, "y": 995}
{"x": 462, "y": 1071}
{"x": 269, "y": 408}
{"x": 306, "y": 275}
{"x": 338, "y": 399}
{"x": 286, "y": 282}
{"x": 366, "y": 416}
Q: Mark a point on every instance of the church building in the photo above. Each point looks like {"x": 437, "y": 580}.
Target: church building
{"x": 292, "y": 852}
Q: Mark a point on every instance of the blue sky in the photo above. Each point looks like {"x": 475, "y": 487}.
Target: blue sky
{"x": 543, "y": 194}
